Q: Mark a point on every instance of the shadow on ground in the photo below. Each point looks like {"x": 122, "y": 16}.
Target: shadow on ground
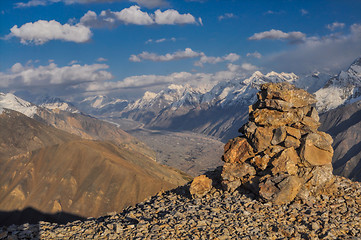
{"x": 33, "y": 216}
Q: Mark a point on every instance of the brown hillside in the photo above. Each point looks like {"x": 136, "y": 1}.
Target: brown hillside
{"x": 92, "y": 128}
{"x": 86, "y": 178}
{"x": 20, "y": 134}
{"x": 53, "y": 171}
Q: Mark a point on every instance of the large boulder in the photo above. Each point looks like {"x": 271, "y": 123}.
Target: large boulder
{"x": 200, "y": 186}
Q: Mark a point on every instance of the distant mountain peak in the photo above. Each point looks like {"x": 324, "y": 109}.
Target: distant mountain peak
{"x": 341, "y": 89}
{"x": 10, "y": 101}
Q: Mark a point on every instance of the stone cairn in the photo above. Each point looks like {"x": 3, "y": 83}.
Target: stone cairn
{"x": 281, "y": 155}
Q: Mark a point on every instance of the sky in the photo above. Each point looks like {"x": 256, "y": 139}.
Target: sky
{"x": 122, "y": 48}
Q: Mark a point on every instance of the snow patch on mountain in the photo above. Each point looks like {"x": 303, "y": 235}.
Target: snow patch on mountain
{"x": 342, "y": 89}
{"x": 10, "y": 101}
{"x": 99, "y": 105}
{"x": 54, "y": 103}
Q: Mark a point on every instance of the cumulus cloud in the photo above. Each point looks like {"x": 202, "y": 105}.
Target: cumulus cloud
{"x": 133, "y": 15}
{"x": 335, "y": 25}
{"x": 42, "y": 31}
{"x": 254, "y": 54}
{"x": 144, "y": 3}
{"x": 279, "y": 35}
{"x": 249, "y": 67}
{"x": 231, "y": 57}
{"x": 328, "y": 53}
{"x": 226, "y": 16}
{"x": 187, "y": 53}
{"x": 172, "y": 17}
{"x": 20, "y": 76}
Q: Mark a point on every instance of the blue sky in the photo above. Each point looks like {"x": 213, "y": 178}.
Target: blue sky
{"x": 70, "y": 48}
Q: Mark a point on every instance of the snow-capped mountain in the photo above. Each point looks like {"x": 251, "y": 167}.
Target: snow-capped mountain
{"x": 56, "y": 103}
{"x": 342, "y": 89}
{"x": 174, "y": 96}
{"x": 100, "y": 105}
{"x": 244, "y": 91}
{"x": 10, "y": 101}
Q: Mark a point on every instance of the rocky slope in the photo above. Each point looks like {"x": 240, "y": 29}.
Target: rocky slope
{"x": 53, "y": 171}
{"x": 219, "y": 215}
{"x": 344, "y": 125}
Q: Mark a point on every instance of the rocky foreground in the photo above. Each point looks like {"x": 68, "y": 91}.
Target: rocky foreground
{"x": 218, "y": 215}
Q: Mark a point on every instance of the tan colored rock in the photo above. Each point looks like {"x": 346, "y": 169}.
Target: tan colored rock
{"x": 267, "y": 189}
{"x": 248, "y": 129}
{"x": 294, "y": 132}
{"x": 289, "y": 188}
{"x": 262, "y": 138}
{"x": 318, "y": 180}
{"x": 234, "y": 174}
{"x": 313, "y": 155}
{"x": 287, "y": 92}
{"x": 200, "y": 186}
{"x": 267, "y": 117}
{"x": 291, "y": 142}
{"x": 237, "y": 150}
{"x": 286, "y": 162}
{"x": 261, "y": 162}
{"x": 321, "y": 140}
{"x": 313, "y": 114}
{"x": 273, "y": 150}
{"x": 279, "y": 135}
{"x": 311, "y": 123}
{"x": 274, "y": 104}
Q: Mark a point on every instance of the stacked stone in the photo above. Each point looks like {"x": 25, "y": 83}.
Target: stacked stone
{"x": 281, "y": 154}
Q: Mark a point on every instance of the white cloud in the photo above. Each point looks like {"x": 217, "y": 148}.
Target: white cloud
{"x": 21, "y": 76}
{"x": 278, "y": 34}
{"x": 133, "y": 15}
{"x": 173, "y": 39}
{"x": 254, "y": 54}
{"x": 101, "y": 59}
{"x": 187, "y": 53}
{"x": 327, "y": 53}
{"x": 73, "y": 62}
{"x": 270, "y": 12}
{"x": 42, "y": 31}
{"x": 249, "y": 67}
{"x": 196, "y": 80}
{"x": 335, "y": 25}
{"x": 232, "y": 57}
{"x": 144, "y": 3}
{"x": 226, "y": 16}
{"x": 172, "y": 17}
{"x": 304, "y": 12}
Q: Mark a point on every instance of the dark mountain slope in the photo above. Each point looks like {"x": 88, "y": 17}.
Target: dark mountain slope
{"x": 344, "y": 125}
